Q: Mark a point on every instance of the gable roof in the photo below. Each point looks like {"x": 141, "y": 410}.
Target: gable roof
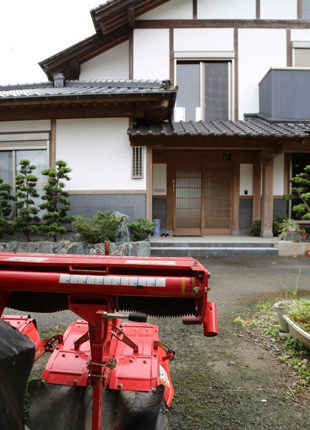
{"x": 115, "y": 14}
{"x": 113, "y": 22}
{"x": 153, "y": 100}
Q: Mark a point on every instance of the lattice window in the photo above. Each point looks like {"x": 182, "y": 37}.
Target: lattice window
{"x": 137, "y": 162}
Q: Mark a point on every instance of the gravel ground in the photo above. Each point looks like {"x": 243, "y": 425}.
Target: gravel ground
{"x": 232, "y": 381}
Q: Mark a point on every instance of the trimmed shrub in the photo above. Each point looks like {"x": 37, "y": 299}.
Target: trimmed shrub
{"x": 141, "y": 229}
{"x": 102, "y": 227}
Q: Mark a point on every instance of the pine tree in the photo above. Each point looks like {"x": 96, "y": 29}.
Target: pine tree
{"x": 5, "y": 207}
{"x": 27, "y": 220}
{"x": 300, "y": 194}
{"x": 56, "y": 204}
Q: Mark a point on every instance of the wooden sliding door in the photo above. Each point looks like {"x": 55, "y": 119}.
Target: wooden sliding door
{"x": 202, "y": 200}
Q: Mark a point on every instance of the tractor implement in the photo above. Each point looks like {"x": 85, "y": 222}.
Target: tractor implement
{"x": 109, "y": 369}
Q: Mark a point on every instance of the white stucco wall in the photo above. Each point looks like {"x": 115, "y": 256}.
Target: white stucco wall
{"x": 174, "y": 9}
{"x": 151, "y": 54}
{"x": 113, "y": 64}
{"x": 259, "y": 50}
{"x": 246, "y": 179}
{"x": 226, "y": 9}
{"x": 300, "y": 35}
{"x": 159, "y": 179}
{"x": 203, "y": 39}
{"x": 99, "y": 154}
{"x": 278, "y": 9}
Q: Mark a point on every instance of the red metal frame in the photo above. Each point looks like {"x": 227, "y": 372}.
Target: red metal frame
{"x": 103, "y": 349}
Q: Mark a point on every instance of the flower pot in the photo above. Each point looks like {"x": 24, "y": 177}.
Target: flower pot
{"x": 297, "y": 332}
{"x": 283, "y": 307}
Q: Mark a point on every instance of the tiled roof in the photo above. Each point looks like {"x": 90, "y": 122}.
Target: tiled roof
{"x": 152, "y": 100}
{"x": 253, "y": 126}
{"x": 85, "y": 88}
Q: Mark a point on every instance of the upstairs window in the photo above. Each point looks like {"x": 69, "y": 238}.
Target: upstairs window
{"x": 204, "y": 90}
{"x": 301, "y": 54}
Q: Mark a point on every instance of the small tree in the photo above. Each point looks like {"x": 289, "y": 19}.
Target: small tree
{"x": 27, "y": 220}
{"x": 141, "y": 229}
{"x": 301, "y": 194}
{"x": 104, "y": 226}
{"x": 56, "y": 204}
{"x": 5, "y": 207}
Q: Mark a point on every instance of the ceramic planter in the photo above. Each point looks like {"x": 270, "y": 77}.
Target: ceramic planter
{"x": 297, "y": 332}
{"x": 283, "y": 307}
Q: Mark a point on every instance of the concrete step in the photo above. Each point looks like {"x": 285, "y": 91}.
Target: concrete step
{"x": 161, "y": 249}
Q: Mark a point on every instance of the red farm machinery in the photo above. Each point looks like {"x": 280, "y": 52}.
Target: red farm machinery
{"x": 109, "y": 370}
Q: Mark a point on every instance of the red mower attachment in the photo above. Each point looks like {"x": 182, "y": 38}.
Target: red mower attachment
{"x": 109, "y": 369}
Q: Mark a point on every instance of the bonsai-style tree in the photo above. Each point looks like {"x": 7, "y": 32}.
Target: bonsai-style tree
{"x": 102, "y": 227}
{"x": 56, "y": 204}
{"x": 141, "y": 229}
{"x": 5, "y": 207}
{"x": 301, "y": 194}
{"x": 27, "y": 220}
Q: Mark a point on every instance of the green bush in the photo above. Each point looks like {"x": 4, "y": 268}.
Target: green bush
{"x": 104, "y": 226}
{"x": 255, "y": 228}
{"x": 276, "y": 226}
{"x": 141, "y": 229}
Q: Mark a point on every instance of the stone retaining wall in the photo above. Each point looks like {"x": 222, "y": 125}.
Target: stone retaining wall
{"x": 141, "y": 249}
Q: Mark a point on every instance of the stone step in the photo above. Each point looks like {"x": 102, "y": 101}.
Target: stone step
{"x": 217, "y": 251}
{"x": 212, "y": 244}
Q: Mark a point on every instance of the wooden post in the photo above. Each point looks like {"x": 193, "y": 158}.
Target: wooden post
{"x": 256, "y": 212}
{"x": 149, "y": 182}
{"x": 236, "y": 199}
{"x": 267, "y": 198}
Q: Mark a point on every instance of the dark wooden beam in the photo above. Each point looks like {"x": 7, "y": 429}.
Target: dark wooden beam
{"x": 272, "y": 152}
{"x": 224, "y": 23}
{"x": 233, "y": 143}
{"x": 131, "y": 17}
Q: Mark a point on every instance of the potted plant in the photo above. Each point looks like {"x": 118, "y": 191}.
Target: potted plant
{"x": 298, "y": 321}
{"x": 288, "y": 225}
{"x": 303, "y": 233}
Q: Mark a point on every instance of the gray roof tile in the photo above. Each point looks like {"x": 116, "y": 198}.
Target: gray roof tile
{"x": 85, "y": 88}
{"x": 252, "y": 126}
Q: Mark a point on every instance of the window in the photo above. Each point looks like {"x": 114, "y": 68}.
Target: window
{"x": 24, "y": 146}
{"x": 137, "y": 162}
{"x": 305, "y": 9}
{"x": 204, "y": 90}
{"x": 301, "y": 54}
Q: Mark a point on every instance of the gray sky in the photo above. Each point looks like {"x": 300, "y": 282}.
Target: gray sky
{"x": 32, "y": 30}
